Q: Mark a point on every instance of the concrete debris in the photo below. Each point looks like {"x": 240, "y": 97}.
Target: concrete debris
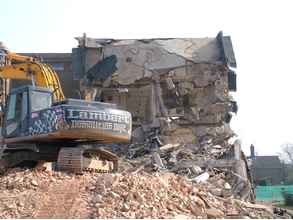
{"x": 34, "y": 183}
{"x": 214, "y": 213}
{"x": 196, "y": 170}
{"x": 158, "y": 160}
{"x": 197, "y": 165}
{"x": 202, "y": 177}
{"x": 227, "y": 186}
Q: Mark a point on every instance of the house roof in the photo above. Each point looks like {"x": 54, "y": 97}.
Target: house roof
{"x": 267, "y": 162}
{"x": 51, "y": 57}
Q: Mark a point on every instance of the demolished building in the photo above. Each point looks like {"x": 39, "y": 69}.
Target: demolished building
{"x": 177, "y": 90}
{"x": 183, "y": 160}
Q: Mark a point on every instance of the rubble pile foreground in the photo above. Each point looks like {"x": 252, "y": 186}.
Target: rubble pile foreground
{"x": 136, "y": 194}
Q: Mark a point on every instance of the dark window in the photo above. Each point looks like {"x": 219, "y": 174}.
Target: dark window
{"x": 58, "y": 66}
{"x": 232, "y": 81}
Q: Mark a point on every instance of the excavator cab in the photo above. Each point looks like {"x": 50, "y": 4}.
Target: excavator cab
{"x": 22, "y": 104}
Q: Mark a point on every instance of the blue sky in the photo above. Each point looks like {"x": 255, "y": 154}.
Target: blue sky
{"x": 261, "y": 33}
{"x": 33, "y": 25}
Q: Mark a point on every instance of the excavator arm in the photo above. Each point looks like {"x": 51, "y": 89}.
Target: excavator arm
{"x": 28, "y": 68}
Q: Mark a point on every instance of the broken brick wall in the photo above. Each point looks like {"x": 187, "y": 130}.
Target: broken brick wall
{"x": 178, "y": 91}
{"x": 173, "y": 84}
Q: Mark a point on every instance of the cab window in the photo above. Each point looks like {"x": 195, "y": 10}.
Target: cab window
{"x": 24, "y": 107}
{"x": 12, "y": 107}
{"x": 40, "y": 100}
{"x": 17, "y": 103}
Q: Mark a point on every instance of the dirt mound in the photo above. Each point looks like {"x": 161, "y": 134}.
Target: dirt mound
{"x": 49, "y": 194}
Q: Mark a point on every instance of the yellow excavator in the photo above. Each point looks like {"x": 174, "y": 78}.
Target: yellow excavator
{"x": 40, "y": 124}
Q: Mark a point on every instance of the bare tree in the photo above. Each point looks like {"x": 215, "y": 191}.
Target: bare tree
{"x": 287, "y": 153}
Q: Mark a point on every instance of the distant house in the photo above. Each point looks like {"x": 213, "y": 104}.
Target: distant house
{"x": 267, "y": 170}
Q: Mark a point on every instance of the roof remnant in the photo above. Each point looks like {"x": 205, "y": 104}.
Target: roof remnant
{"x": 152, "y": 55}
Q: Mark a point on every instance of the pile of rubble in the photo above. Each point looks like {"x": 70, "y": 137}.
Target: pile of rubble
{"x": 137, "y": 194}
{"x": 17, "y": 188}
{"x": 166, "y": 195}
{"x": 217, "y": 164}
{"x": 27, "y": 193}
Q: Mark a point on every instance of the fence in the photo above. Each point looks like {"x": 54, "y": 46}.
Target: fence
{"x": 272, "y": 193}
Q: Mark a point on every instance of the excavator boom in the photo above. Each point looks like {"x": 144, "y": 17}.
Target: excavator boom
{"x": 28, "y": 68}
{"x": 19, "y": 58}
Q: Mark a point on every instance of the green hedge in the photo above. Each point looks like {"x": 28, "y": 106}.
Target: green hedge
{"x": 273, "y": 193}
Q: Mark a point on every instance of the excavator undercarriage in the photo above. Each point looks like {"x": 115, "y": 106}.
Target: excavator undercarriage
{"x": 77, "y": 159}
